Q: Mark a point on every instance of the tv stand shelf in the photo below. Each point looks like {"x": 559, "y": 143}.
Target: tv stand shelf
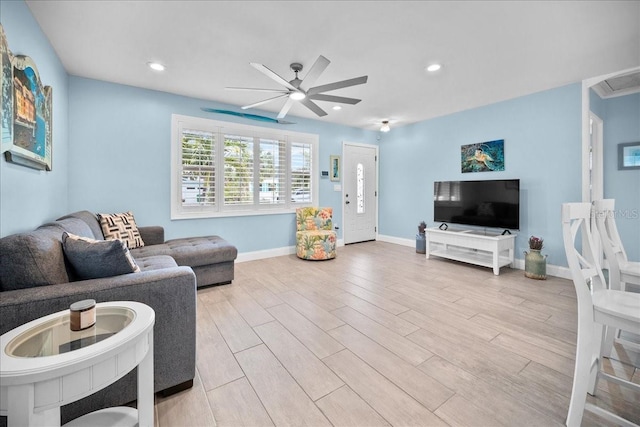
{"x": 471, "y": 246}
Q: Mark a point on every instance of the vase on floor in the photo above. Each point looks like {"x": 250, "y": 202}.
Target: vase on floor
{"x": 421, "y": 244}
{"x": 535, "y": 265}
{"x": 421, "y": 240}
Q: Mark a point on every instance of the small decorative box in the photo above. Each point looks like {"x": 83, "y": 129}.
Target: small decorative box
{"x": 83, "y": 314}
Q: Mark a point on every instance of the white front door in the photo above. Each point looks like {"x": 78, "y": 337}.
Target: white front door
{"x": 360, "y": 192}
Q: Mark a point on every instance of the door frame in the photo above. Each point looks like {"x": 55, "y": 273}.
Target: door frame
{"x": 344, "y": 162}
{"x": 597, "y": 159}
{"x": 586, "y": 137}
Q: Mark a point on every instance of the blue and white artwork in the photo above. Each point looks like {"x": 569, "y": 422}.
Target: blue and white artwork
{"x": 6, "y": 94}
{"x": 629, "y": 155}
{"x": 31, "y": 139}
{"x": 482, "y": 157}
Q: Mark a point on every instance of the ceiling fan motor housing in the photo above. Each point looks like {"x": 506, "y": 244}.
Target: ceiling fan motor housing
{"x": 296, "y": 67}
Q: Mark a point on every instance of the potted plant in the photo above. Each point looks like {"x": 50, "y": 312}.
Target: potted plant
{"x": 535, "y": 264}
{"x": 421, "y": 241}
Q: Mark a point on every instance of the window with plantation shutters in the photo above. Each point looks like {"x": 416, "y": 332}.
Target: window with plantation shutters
{"x": 226, "y": 169}
{"x": 198, "y": 177}
{"x": 238, "y": 170}
{"x": 301, "y": 183}
{"x": 273, "y": 172}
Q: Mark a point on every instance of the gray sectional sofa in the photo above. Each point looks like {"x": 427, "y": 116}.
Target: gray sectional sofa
{"x": 37, "y": 279}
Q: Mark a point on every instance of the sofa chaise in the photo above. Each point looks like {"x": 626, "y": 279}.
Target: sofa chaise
{"x": 36, "y": 279}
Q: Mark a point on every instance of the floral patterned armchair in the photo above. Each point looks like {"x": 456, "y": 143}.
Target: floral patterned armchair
{"x": 315, "y": 238}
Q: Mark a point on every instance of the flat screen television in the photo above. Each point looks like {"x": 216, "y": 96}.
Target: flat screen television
{"x": 490, "y": 203}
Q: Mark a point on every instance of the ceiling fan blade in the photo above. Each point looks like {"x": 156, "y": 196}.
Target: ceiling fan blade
{"x": 337, "y": 85}
{"x": 331, "y": 98}
{"x": 267, "y": 72}
{"x": 313, "y": 107}
{"x": 258, "y": 89}
{"x": 285, "y": 108}
{"x": 316, "y": 69}
{"x": 264, "y": 102}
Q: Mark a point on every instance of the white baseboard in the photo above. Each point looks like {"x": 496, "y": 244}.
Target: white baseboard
{"x": 267, "y": 253}
{"x": 270, "y": 253}
{"x": 552, "y": 270}
{"x": 396, "y": 240}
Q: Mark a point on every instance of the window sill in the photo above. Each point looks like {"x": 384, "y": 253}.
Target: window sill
{"x": 226, "y": 214}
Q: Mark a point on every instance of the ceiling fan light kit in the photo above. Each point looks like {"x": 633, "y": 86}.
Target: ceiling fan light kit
{"x": 297, "y": 95}
{"x": 301, "y": 90}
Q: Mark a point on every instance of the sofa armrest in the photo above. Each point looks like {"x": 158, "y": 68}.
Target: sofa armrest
{"x": 152, "y": 235}
{"x": 171, "y": 292}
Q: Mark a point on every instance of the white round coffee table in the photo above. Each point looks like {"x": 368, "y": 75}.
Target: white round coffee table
{"x": 44, "y": 365}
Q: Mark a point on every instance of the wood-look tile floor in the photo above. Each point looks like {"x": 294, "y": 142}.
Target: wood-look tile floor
{"x": 382, "y": 336}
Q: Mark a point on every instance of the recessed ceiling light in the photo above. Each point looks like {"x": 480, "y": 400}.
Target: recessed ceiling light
{"x": 337, "y": 107}
{"x": 156, "y": 66}
{"x": 434, "y": 67}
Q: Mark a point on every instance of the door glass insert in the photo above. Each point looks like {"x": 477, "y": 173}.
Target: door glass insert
{"x": 360, "y": 188}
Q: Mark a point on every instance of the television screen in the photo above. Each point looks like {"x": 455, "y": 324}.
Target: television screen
{"x": 492, "y": 203}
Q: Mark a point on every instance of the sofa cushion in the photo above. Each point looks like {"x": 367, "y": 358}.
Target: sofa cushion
{"x": 71, "y": 225}
{"x": 121, "y": 226}
{"x": 192, "y": 251}
{"x": 90, "y": 219}
{"x": 32, "y": 259}
{"x": 93, "y": 259}
{"x": 157, "y": 262}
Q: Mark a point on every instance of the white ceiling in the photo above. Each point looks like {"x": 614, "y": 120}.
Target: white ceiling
{"x": 490, "y": 51}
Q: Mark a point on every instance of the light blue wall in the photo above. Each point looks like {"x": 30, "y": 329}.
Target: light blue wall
{"x": 622, "y": 124}
{"x": 112, "y": 152}
{"x": 542, "y": 148}
{"x": 596, "y": 104}
{"x": 120, "y": 160}
{"x": 29, "y": 197}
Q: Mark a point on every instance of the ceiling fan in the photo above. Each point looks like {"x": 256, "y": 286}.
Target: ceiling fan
{"x": 301, "y": 89}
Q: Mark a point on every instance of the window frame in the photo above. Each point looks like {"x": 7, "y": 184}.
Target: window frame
{"x": 220, "y": 129}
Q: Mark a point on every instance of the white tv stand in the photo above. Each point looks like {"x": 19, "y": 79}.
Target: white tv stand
{"x": 472, "y": 246}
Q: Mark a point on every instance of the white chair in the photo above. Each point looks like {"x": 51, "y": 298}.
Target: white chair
{"x": 598, "y": 307}
{"x": 621, "y": 270}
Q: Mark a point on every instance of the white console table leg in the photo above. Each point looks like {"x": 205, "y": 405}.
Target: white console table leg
{"x": 21, "y": 400}
{"x": 145, "y": 387}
